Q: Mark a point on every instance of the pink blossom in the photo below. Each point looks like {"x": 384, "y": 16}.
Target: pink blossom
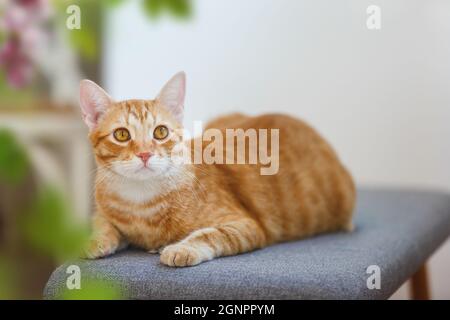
{"x": 23, "y": 23}
{"x": 16, "y": 64}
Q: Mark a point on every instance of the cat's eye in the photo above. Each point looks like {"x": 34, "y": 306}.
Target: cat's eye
{"x": 122, "y": 135}
{"x": 161, "y": 132}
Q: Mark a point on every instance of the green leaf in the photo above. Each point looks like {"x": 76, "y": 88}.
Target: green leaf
{"x": 179, "y": 8}
{"x": 153, "y": 8}
{"x": 14, "y": 164}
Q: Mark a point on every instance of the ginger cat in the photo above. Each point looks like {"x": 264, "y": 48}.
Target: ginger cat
{"x": 191, "y": 213}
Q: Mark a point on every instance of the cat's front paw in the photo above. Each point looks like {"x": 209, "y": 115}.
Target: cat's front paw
{"x": 182, "y": 255}
{"x": 98, "y": 248}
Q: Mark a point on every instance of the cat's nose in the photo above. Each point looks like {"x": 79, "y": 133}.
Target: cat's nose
{"x": 144, "y": 156}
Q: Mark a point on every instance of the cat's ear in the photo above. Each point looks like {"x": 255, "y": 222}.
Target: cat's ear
{"x": 172, "y": 95}
{"x": 93, "y": 102}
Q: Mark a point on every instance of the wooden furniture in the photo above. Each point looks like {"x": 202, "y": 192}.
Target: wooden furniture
{"x": 419, "y": 284}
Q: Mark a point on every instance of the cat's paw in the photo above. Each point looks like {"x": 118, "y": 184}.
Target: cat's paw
{"x": 98, "y": 248}
{"x": 183, "y": 255}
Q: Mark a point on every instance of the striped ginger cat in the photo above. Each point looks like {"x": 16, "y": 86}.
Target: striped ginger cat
{"x": 191, "y": 213}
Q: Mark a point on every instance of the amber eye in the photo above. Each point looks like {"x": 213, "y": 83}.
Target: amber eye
{"x": 161, "y": 132}
{"x": 122, "y": 135}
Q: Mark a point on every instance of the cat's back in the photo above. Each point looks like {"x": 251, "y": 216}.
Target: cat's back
{"x": 311, "y": 192}
{"x": 295, "y": 138}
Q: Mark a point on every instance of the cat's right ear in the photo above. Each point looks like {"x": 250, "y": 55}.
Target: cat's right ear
{"x": 93, "y": 102}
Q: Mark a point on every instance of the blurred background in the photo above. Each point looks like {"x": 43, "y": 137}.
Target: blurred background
{"x": 380, "y": 97}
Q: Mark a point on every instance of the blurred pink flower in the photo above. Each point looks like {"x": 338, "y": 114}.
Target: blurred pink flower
{"x": 16, "y": 64}
{"x": 30, "y": 3}
{"x": 23, "y": 24}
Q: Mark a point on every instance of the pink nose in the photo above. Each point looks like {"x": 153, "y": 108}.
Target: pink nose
{"x": 144, "y": 156}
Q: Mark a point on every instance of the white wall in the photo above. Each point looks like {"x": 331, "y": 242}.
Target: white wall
{"x": 381, "y": 97}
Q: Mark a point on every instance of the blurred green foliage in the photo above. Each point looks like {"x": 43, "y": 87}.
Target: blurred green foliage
{"x": 50, "y": 229}
{"x": 13, "y": 159}
{"x": 93, "y": 289}
{"x": 113, "y": 3}
{"x": 12, "y": 97}
{"x": 177, "y": 8}
{"x": 8, "y": 277}
{"x": 84, "y": 40}
{"x": 13, "y": 169}
{"x": 156, "y": 8}
{"x": 2, "y": 34}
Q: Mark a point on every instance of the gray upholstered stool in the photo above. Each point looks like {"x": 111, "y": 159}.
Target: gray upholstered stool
{"x": 395, "y": 230}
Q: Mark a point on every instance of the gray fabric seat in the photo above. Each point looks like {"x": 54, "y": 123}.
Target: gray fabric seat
{"x": 395, "y": 230}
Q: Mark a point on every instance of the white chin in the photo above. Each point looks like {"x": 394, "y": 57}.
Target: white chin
{"x": 139, "y": 173}
{"x": 143, "y": 174}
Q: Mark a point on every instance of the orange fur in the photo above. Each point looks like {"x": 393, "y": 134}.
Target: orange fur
{"x": 206, "y": 211}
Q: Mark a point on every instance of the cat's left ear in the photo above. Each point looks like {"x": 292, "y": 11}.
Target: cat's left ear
{"x": 172, "y": 95}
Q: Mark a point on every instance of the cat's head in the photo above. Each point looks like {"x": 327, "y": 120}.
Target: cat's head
{"x": 136, "y": 139}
